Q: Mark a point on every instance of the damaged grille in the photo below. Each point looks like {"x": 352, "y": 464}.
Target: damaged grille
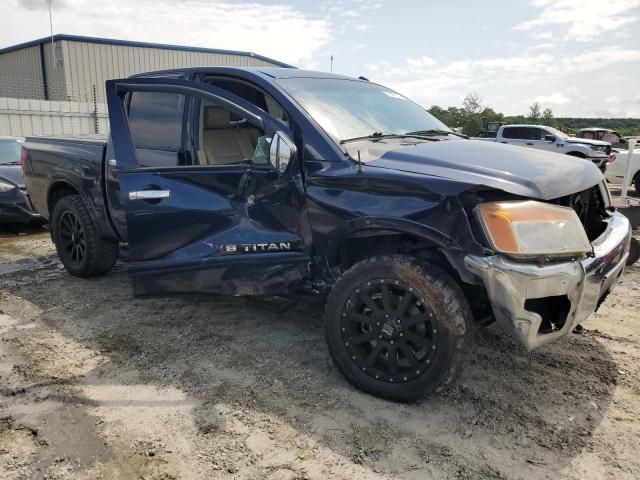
{"x": 590, "y": 207}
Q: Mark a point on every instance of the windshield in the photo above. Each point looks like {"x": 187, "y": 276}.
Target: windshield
{"x": 557, "y": 133}
{"x": 347, "y": 109}
{"x": 10, "y": 150}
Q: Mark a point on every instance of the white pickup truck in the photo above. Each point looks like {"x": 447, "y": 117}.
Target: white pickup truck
{"x": 548, "y": 138}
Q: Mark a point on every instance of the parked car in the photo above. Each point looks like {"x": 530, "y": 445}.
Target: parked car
{"x": 616, "y": 140}
{"x": 14, "y": 202}
{"x": 617, "y": 168}
{"x": 553, "y": 140}
{"x": 274, "y": 181}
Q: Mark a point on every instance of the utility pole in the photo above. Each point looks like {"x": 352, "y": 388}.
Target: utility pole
{"x": 53, "y": 47}
{"x": 332, "y": 63}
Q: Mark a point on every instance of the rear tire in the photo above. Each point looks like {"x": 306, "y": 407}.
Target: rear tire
{"x": 636, "y": 183}
{"x": 82, "y": 252}
{"x": 397, "y": 328}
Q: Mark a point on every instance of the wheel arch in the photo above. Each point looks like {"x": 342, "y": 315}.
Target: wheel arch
{"x": 58, "y": 189}
{"x": 370, "y": 237}
{"x": 575, "y": 153}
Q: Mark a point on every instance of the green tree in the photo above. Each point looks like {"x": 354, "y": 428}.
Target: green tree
{"x": 473, "y": 126}
{"x": 534, "y": 112}
{"x": 472, "y": 103}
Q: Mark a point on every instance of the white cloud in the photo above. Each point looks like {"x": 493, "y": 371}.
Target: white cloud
{"x": 542, "y": 46}
{"x": 260, "y": 27}
{"x": 553, "y": 99}
{"x": 350, "y": 13}
{"x": 584, "y": 19}
{"x": 423, "y": 61}
{"x": 522, "y": 76}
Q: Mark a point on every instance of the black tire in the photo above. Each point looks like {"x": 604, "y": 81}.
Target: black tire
{"x": 434, "y": 323}
{"x": 82, "y": 252}
{"x": 634, "y": 252}
{"x": 636, "y": 183}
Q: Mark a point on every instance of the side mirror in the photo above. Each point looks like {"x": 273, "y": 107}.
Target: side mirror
{"x": 550, "y": 138}
{"x": 282, "y": 151}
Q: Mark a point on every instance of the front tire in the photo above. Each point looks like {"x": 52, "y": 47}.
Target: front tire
{"x": 82, "y": 252}
{"x": 397, "y": 328}
{"x": 636, "y": 183}
{"x": 634, "y": 252}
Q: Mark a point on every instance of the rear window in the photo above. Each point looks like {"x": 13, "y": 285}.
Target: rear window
{"x": 155, "y": 120}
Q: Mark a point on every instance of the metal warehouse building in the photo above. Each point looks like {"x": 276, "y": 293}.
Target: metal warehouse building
{"x": 72, "y": 68}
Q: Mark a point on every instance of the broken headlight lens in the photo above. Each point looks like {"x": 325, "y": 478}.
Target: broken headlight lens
{"x": 529, "y": 229}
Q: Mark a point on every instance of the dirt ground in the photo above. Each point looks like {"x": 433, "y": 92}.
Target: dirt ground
{"x": 97, "y": 384}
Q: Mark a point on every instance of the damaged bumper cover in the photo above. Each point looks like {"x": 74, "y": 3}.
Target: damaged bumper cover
{"x": 524, "y": 296}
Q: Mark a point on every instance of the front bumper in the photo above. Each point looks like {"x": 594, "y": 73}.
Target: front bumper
{"x": 583, "y": 283}
{"x": 15, "y": 207}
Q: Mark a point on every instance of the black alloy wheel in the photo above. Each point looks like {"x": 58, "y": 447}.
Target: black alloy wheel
{"x": 397, "y": 327}
{"x": 72, "y": 237}
{"x": 389, "y": 331}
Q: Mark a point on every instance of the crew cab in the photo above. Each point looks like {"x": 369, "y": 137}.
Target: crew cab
{"x": 283, "y": 181}
{"x": 553, "y": 140}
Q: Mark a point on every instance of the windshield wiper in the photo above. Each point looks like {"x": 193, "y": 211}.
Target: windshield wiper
{"x": 379, "y": 135}
{"x": 436, "y": 131}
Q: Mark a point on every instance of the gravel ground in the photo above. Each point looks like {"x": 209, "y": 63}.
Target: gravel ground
{"x": 95, "y": 383}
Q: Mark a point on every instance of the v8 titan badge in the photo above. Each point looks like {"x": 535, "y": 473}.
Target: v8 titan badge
{"x": 256, "y": 247}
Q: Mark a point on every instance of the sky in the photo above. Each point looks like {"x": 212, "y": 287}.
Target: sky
{"x": 577, "y": 57}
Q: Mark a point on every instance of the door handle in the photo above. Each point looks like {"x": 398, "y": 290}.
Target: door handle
{"x": 504, "y": 142}
{"x": 529, "y": 143}
{"x": 149, "y": 195}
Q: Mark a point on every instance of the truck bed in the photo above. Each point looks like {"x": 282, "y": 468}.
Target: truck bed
{"x": 74, "y": 160}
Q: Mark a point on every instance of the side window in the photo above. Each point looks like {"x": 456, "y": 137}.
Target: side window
{"x": 535, "y": 133}
{"x": 512, "y": 132}
{"x": 588, "y": 135}
{"x": 226, "y": 138}
{"x": 251, "y": 94}
{"x": 610, "y": 137}
{"x": 155, "y": 123}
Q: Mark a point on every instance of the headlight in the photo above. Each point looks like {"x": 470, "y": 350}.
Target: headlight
{"x": 529, "y": 229}
{"x": 5, "y": 187}
{"x": 599, "y": 148}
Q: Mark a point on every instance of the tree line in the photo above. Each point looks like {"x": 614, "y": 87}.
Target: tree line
{"x": 473, "y": 117}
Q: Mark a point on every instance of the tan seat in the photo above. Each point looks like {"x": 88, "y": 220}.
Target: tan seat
{"x": 224, "y": 143}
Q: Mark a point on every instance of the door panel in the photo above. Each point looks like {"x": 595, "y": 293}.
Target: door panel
{"x": 220, "y": 228}
{"x": 114, "y": 195}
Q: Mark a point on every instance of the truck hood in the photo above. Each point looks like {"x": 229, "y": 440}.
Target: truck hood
{"x": 521, "y": 171}
{"x": 586, "y": 141}
{"x": 12, "y": 174}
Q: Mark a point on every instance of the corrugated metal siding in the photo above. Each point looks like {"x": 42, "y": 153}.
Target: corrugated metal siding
{"x": 21, "y": 73}
{"x": 88, "y": 64}
{"x": 56, "y": 86}
{"x": 25, "y": 117}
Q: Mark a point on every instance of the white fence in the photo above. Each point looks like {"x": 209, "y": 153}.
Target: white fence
{"x": 26, "y": 117}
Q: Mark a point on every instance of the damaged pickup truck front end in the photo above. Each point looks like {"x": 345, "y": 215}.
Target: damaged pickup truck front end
{"x": 554, "y": 247}
{"x": 539, "y": 301}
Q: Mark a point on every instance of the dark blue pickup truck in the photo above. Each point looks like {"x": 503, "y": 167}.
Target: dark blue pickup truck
{"x": 270, "y": 182}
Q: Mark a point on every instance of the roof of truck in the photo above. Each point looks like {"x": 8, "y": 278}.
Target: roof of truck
{"x": 273, "y": 72}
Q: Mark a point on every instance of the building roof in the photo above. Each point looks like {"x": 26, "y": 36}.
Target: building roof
{"x": 128, "y": 43}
